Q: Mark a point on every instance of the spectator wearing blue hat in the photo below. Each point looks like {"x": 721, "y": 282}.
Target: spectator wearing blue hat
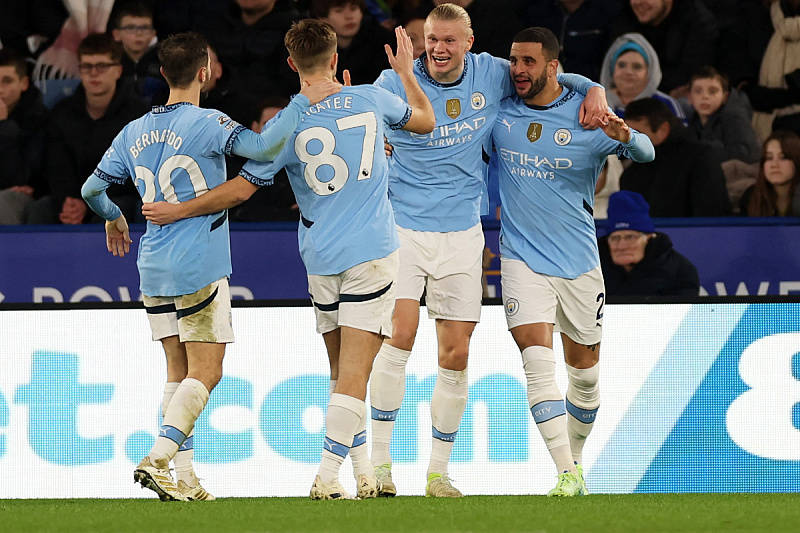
{"x": 637, "y": 260}
{"x": 631, "y": 70}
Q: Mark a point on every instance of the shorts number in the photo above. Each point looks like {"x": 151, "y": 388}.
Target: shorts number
{"x": 602, "y": 299}
{"x": 326, "y": 156}
{"x": 178, "y": 161}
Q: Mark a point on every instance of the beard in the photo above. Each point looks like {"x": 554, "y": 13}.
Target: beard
{"x": 536, "y": 87}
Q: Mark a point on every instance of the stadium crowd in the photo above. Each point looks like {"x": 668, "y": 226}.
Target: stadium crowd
{"x": 729, "y": 71}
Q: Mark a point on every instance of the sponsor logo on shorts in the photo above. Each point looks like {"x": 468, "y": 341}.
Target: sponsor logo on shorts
{"x": 512, "y": 306}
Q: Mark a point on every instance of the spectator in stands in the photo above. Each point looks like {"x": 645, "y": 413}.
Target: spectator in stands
{"x": 81, "y": 128}
{"x": 583, "y": 28}
{"x": 636, "y": 259}
{"x": 777, "y": 181}
{"x": 776, "y": 98}
{"x": 360, "y": 38}
{"x": 248, "y": 37}
{"x": 134, "y": 30}
{"x": 494, "y": 23}
{"x": 686, "y": 178}
{"x": 22, "y": 134}
{"x": 276, "y": 202}
{"x": 743, "y": 42}
{"x": 631, "y": 70}
{"x": 223, "y": 91}
{"x": 415, "y": 28}
{"x": 683, "y": 33}
{"x": 721, "y": 118}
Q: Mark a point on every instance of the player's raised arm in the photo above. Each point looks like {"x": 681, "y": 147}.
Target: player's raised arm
{"x": 422, "y": 117}
{"x": 639, "y": 146}
{"x": 229, "y": 194}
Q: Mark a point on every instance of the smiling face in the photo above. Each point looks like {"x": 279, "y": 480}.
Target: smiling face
{"x": 446, "y": 44}
{"x": 630, "y": 75}
{"x": 529, "y": 69}
{"x": 652, "y": 12}
{"x": 778, "y": 168}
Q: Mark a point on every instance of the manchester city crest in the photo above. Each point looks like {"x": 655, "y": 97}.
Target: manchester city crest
{"x": 453, "y": 107}
{"x": 534, "y": 131}
{"x": 562, "y": 137}
{"x": 478, "y": 101}
{"x": 512, "y": 306}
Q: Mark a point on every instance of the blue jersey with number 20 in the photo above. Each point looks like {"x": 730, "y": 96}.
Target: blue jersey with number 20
{"x": 176, "y": 153}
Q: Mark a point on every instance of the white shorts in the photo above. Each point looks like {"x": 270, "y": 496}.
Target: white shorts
{"x": 203, "y": 316}
{"x": 449, "y": 265}
{"x": 361, "y": 297}
{"x": 574, "y": 306}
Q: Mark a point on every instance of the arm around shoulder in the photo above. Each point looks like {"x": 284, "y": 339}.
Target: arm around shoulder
{"x": 229, "y": 194}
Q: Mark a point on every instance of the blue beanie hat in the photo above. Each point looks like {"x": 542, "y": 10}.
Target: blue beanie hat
{"x": 628, "y": 210}
{"x": 630, "y": 46}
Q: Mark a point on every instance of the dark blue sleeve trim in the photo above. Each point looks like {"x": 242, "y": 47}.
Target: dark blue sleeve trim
{"x": 403, "y": 121}
{"x": 109, "y": 178}
{"x": 255, "y": 180}
{"x": 229, "y": 145}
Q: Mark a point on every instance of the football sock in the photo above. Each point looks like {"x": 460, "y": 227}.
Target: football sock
{"x": 547, "y": 404}
{"x": 387, "y": 388}
{"x": 185, "y": 455}
{"x": 185, "y": 406}
{"x": 583, "y": 401}
{"x": 358, "y": 452}
{"x": 447, "y": 407}
{"x": 344, "y": 414}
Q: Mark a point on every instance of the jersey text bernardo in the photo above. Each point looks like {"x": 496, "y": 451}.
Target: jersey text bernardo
{"x": 338, "y": 102}
{"x": 168, "y": 137}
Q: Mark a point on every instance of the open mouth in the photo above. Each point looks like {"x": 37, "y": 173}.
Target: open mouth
{"x": 438, "y": 60}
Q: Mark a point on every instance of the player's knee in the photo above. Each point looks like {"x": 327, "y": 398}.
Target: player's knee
{"x": 403, "y": 336}
{"x": 454, "y": 357}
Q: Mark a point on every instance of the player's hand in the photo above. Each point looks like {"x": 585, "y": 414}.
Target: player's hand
{"x": 118, "y": 239}
{"x": 320, "y": 90}
{"x": 388, "y": 148}
{"x": 346, "y": 78}
{"x": 161, "y": 213}
{"x": 403, "y": 61}
{"x": 617, "y": 129}
{"x": 594, "y": 109}
{"x": 73, "y": 211}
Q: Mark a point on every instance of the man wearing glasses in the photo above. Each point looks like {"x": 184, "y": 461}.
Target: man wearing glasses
{"x": 133, "y": 29}
{"x": 80, "y": 130}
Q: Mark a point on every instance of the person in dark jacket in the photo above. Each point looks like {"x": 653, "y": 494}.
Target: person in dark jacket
{"x": 360, "y": 38}
{"x": 80, "y": 130}
{"x": 685, "y": 179}
{"x": 22, "y": 131}
{"x": 637, "y": 260}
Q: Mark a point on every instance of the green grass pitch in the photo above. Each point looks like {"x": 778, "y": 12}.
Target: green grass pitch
{"x": 729, "y": 513}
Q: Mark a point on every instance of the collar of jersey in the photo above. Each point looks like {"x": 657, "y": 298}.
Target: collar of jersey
{"x": 425, "y": 74}
{"x": 158, "y": 109}
{"x": 565, "y": 96}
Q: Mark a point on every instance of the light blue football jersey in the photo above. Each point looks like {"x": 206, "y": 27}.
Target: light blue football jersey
{"x": 176, "y": 153}
{"x": 548, "y": 170}
{"x": 437, "y": 180}
{"x": 338, "y": 171}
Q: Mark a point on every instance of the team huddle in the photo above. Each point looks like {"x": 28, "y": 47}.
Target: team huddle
{"x": 377, "y": 232}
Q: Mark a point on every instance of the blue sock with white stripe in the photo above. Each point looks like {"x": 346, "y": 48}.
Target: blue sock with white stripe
{"x": 447, "y": 407}
{"x": 344, "y": 414}
{"x": 583, "y": 401}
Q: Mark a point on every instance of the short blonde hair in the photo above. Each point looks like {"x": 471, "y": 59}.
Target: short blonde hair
{"x": 451, "y": 13}
{"x": 310, "y": 43}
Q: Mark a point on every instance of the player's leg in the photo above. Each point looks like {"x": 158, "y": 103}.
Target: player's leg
{"x": 581, "y": 321}
{"x": 388, "y": 379}
{"x": 364, "y": 303}
{"x": 203, "y": 320}
{"x": 530, "y": 304}
{"x": 454, "y": 300}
